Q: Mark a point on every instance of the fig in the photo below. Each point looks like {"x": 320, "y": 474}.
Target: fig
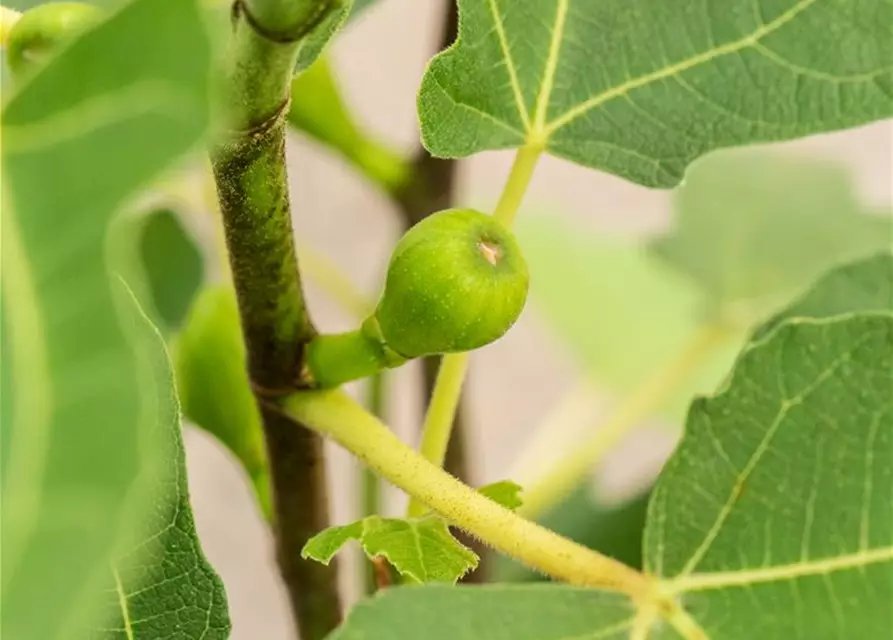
{"x": 456, "y": 282}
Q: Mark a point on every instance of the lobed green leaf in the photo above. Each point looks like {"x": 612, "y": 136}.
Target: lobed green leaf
{"x": 420, "y": 548}
{"x": 773, "y": 517}
{"x": 640, "y": 88}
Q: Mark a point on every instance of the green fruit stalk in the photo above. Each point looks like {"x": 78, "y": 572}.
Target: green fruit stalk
{"x": 41, "y": 31}
{"x": 456, "y": 282}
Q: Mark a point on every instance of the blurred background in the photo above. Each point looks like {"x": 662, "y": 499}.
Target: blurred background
{"x": 639, "y": 299}
{"x": 602, "y": 315}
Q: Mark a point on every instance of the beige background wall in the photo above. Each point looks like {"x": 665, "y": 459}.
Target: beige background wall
{"x": 380, "y": 62}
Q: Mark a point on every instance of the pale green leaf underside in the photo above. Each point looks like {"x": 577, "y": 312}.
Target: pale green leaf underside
{"x": 640, "y": 88}
{"x": 82, "y": 429}
{"x": 621, "y": 329}
{"x": 752, "y": 227}
{"x": 422, "y": 548}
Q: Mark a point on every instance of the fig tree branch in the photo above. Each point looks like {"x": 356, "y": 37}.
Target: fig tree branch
{"x": 252, "y": 188}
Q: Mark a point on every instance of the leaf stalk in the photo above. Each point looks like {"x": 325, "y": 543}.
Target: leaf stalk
{"x": 332, "y": 413}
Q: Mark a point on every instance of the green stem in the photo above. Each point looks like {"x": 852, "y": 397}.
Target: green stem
{"x": 333, "y": 359}
{"x": 438, "y": 423}
{"x": 252, "y": 188}
{"x": 370, "y": 485}
{"x": 334, "y": 414}
{"x": 440, "y": 417}
{"x": 569, "y": 472}
{"x": 516, "y": 185}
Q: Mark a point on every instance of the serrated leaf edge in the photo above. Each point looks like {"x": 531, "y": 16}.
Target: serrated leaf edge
{"x": 471, "y": 557}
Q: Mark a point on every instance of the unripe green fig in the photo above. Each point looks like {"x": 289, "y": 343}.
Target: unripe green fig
{"x": 41, "y": 31}
{"x": 456, "y": 281}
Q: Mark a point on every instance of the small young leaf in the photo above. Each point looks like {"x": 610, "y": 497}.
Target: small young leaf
{"x": 613, "y": 84}
{"x": 421, "y": 548}
{"x": 504, "y": 492}
{"x": 754, "y": 227}
{"x": 324, "y": 545}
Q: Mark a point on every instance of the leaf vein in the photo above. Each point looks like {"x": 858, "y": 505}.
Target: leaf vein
{"x": 509, "y": 63}
{"x": 545, "y": 93}
{"x": 750, "y": 577}
{"x": 122, "y": 602}
{"x": 675, "y": 69}
{"x": 811, "y": 503}
{"x": 768, "y": 53}
{"x": 865, "y": 524}
{"x": 483, "y": 114}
